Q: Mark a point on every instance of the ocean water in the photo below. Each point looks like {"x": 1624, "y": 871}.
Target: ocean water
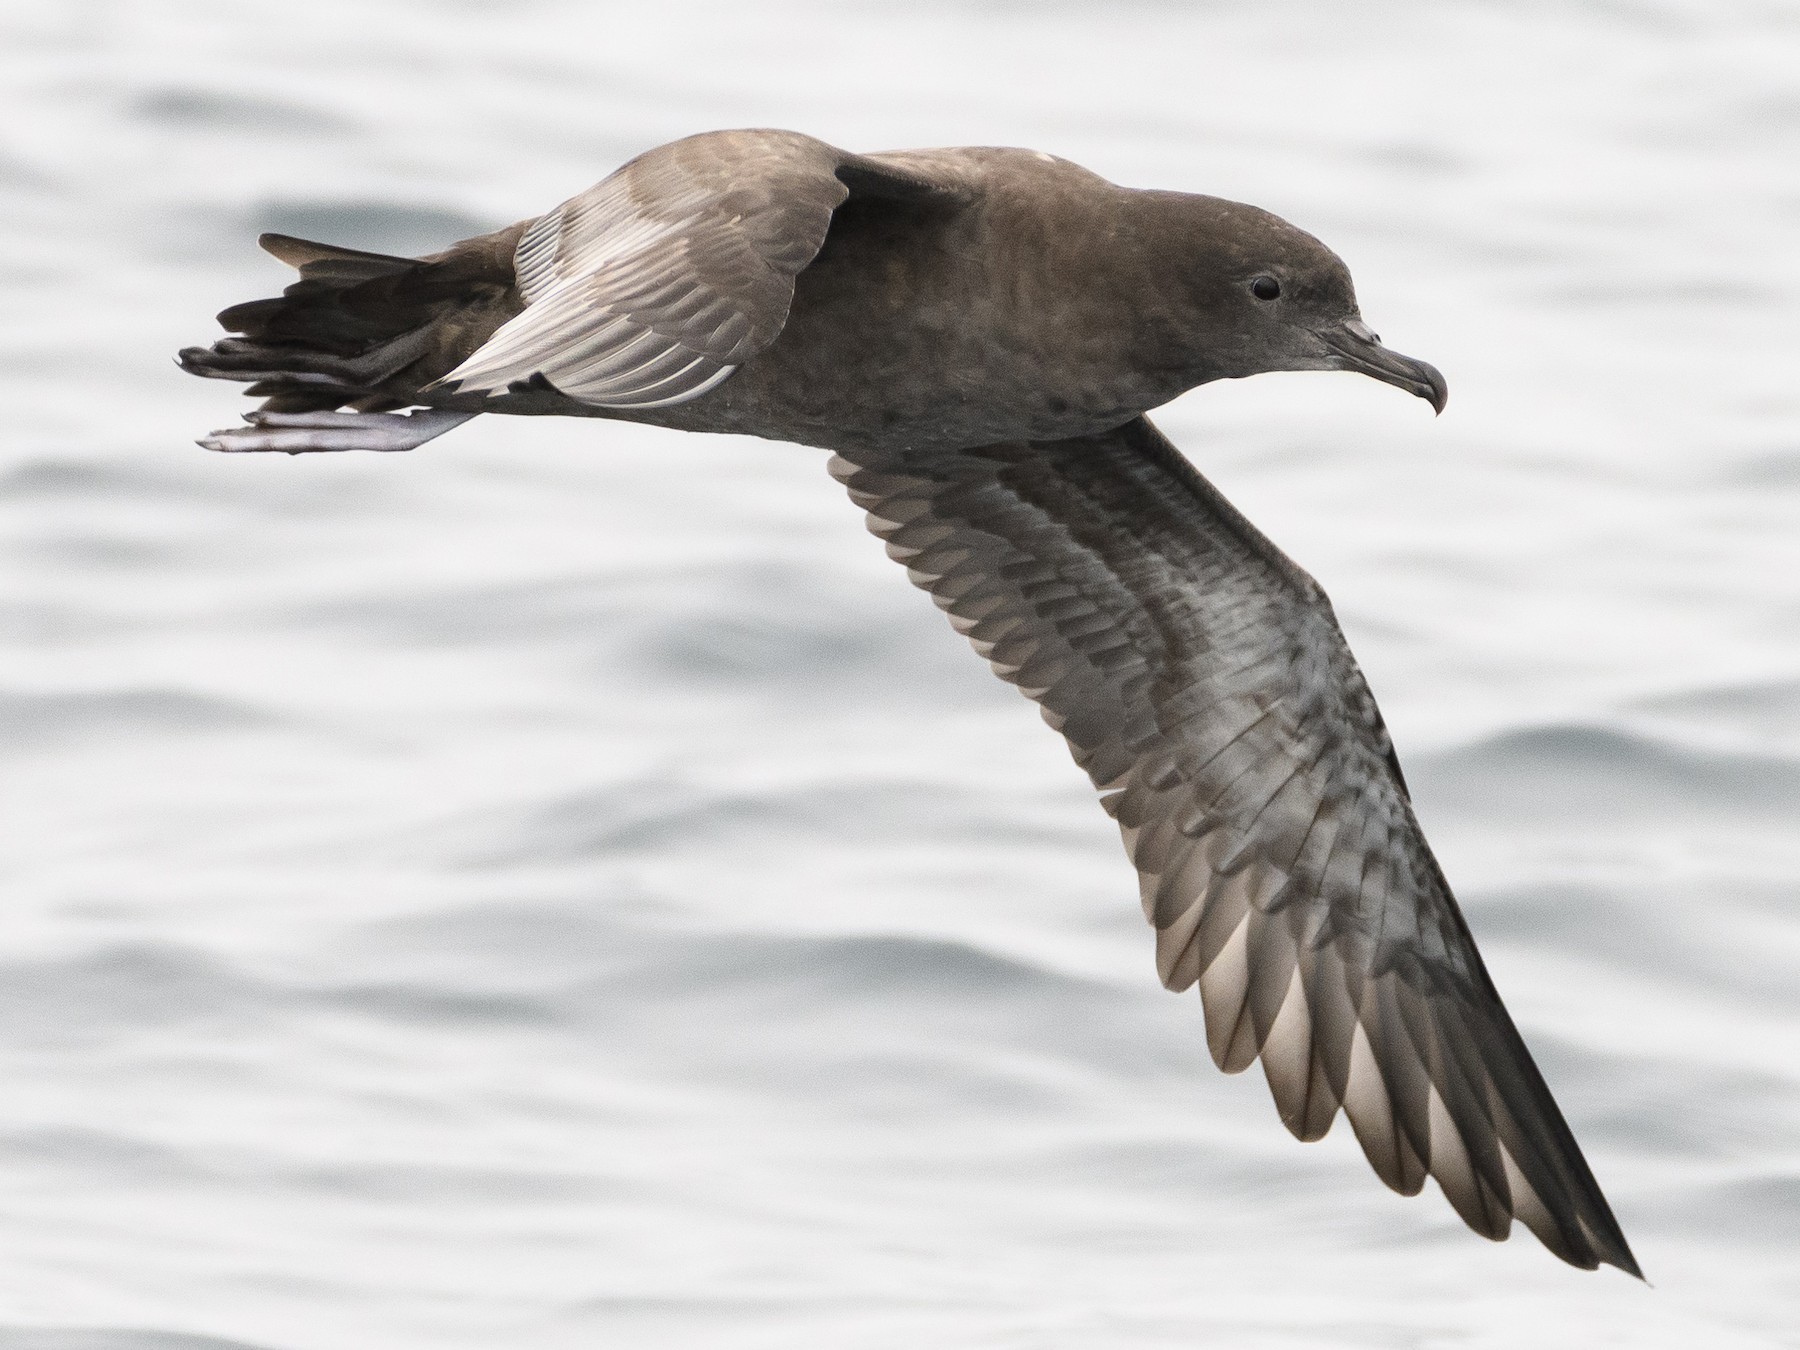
{"x": 563, "y": 888}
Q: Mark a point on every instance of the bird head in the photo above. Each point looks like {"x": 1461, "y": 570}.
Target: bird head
{"x": 1271, "y": 297}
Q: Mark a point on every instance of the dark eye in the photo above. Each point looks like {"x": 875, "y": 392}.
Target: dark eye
{"x": 1265, "y": 288}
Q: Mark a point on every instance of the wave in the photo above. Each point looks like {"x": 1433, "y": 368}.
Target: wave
{"x": 774, "y": 626}
{"x": 36, "y": 721}
{"x": 186, "y": 109}
{"x": 84, "y": 481}
{"x": 1760, "y": 709}
{"x": 1760, "y": 1213}
{"x": 529, "y": 969}
{"x": 657, "y": 814}
{"x": 1587, "y": 772}
{"x": 834, "y": 1010}
{"x": 136, "y": 989}
{"x": 1705, "y": 943}
{"x": 111, "y": 1338}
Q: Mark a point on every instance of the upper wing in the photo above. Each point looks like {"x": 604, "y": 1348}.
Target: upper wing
{"x": 655, "y": 284}
{"x": 1201, "y": 680}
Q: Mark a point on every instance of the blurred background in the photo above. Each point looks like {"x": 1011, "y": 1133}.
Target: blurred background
{"x": 563, "y": 887}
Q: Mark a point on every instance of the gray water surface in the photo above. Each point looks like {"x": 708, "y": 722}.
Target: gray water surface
{"x": 563, "y": 888}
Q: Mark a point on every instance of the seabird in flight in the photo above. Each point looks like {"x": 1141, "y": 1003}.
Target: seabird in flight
{"x": 976, "y": 335}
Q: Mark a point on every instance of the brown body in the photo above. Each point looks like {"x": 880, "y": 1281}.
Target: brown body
{"x": 1027, "y": 298}
{"x": 922, "y": 325}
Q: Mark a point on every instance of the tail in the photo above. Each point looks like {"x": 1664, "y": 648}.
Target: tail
{"x": 363, "y": 331}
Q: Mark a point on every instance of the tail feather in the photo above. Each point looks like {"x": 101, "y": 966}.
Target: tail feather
{"x": 333, "y": 262}
{"x": 336, "y": 304}
{"x": 362, "y": 330}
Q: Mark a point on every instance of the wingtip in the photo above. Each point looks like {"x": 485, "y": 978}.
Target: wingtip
{"x": 1590, "y": 1245}
{"x": 1622, "y": 1259}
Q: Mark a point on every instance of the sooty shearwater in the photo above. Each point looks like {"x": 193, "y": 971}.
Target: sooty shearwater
{"x": 976, "y": 334}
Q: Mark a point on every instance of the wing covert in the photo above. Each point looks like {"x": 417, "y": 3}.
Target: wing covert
{"x": 1202, "y": 682}
{"x": 654, "y": 285}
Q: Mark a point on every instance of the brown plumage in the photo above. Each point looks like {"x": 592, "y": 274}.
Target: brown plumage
{"x": 976, "y": 335}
